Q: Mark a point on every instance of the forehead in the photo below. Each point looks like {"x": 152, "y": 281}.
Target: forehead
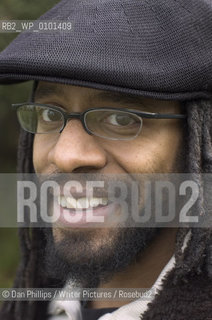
{"x": 71, "y": 93}
{"x": 46, "y": 89}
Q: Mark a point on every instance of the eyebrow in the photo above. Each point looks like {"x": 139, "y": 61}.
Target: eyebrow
{"x": 120, "y": 97}
{"x": 110, "y": 96}
{"x": 47, "y": 91}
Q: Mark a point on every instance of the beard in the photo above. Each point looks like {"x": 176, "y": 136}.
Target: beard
{"x": 88, "y": 258}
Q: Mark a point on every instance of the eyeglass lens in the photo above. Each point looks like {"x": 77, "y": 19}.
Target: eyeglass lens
{"x": 113, "y": 124}
{"x": 38, "y": 119}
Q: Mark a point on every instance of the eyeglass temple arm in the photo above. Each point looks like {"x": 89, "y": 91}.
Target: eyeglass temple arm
{"x": 160, "y": 115}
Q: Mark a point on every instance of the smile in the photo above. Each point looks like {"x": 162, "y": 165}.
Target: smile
{"x": 83, "y": 211}
{"x": 81, "y": 203}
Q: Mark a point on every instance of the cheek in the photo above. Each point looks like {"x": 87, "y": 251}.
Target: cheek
{"x": 42, "y": 146}
{"x": 39, "y": 153}
{"x": 156, "y": 152}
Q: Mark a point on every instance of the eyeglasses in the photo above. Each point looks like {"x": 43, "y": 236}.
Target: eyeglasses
{"x": 108, "y": 123}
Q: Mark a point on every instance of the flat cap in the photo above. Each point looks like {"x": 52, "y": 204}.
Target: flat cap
{"x": 155, "y": 48}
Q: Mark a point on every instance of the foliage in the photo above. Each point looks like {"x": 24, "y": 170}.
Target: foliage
{"x": 9, "y": 129}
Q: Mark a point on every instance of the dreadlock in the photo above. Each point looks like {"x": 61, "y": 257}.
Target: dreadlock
{"x": 195, "y": 259}
{"x": 199, "y": 135}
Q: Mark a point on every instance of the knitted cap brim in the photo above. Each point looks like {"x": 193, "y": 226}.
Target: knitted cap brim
{"x": 155, "y": 48}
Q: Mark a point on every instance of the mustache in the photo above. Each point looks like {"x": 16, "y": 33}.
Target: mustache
{"x": 61, "y": 177}
{"x": 111, "y": 184}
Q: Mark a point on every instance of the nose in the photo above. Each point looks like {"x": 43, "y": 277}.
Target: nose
{"x": 76, "y": 149}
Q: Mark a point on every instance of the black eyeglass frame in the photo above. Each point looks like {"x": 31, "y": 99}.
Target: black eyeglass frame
{"x": 81, "y": 115}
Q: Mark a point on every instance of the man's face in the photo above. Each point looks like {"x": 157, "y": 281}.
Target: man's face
{"x": 155, "y": 150}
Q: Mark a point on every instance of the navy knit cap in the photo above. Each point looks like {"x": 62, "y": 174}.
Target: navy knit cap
{"x": 155, "y": 48}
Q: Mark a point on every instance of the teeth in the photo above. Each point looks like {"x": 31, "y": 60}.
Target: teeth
{"x": 104, "y": 201}
{"x": 71, "y": 203}
{"x": 63, "y": 202}
{"x": 95, "y": 202}
{"x": 81, "y": 203}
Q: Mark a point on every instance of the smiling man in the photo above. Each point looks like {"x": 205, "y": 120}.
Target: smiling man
{"x": 101, "y": 253}
{"x": 126, "y": 92}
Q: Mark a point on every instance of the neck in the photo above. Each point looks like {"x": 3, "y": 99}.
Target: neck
{"x": 144, "y": 271}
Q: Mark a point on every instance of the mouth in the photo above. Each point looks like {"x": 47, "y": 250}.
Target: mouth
{"x": 82, "y": 203}
{"x": 84, "y": 212}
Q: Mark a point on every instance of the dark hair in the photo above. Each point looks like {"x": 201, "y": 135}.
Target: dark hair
{"x": 197, "y": 257}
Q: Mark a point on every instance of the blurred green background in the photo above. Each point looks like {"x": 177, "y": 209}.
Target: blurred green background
{"x": 9, "y": 129}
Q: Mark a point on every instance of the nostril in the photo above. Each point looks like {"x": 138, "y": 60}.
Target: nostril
{"x": 86, "y": 169}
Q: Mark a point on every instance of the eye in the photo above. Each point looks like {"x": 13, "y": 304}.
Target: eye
{"x": 49, "y": 115}
{"x": 118, "y": 119}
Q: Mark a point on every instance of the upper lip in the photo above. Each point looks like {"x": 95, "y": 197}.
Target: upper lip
{"x": 102, "y": 193}
{"x": 106, "y": 191}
